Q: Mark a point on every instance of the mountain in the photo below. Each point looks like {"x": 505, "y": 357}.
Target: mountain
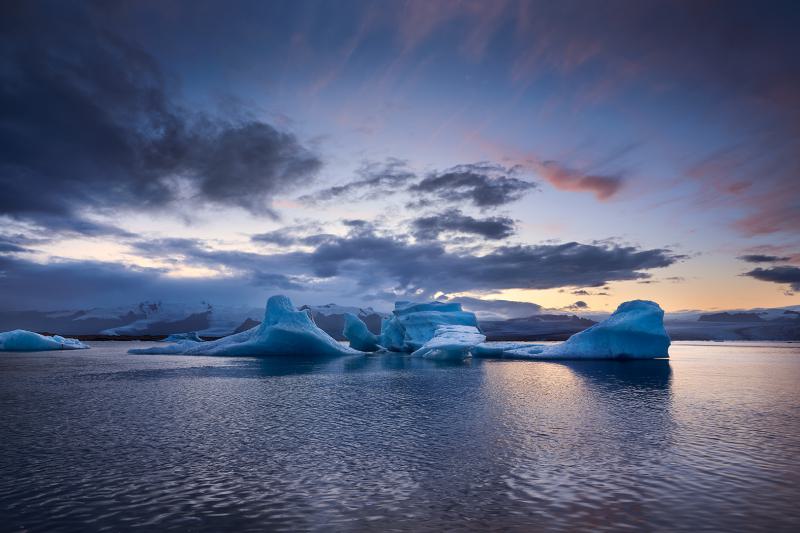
{"x": 776, "y": 324}
{"x": 149, "y": 318}
{"x": 536, "y": 327}
{"x": 330, "y": 318}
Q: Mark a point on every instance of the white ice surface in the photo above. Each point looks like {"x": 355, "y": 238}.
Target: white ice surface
{"x": 451, "y": 342}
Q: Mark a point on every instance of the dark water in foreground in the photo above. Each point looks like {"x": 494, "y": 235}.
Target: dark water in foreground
{"x": 103, "y": 440}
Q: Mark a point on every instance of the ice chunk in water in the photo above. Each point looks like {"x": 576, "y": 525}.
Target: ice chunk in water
{"x": 634, "y": 331}
{"x": 451, "y": 342}
{"x": 284, "y": 331}
{"x": 360, "y": 337}
{"x": 414, "y": 324}
{"x": 20, "y": 340}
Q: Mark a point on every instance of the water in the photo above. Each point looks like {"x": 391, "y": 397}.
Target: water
{"x": 104, "y": 440}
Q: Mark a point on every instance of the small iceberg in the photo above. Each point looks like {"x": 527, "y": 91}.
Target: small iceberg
{"x": 284, "y": 331}
{"x": 20, "y": 340}
{"x": 634, "y": 331}
{"x": 451, "y": 342}
{"x": 178, "y": 337}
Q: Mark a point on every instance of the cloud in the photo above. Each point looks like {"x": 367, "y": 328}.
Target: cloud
{"x": 577, "y": 306}
{"x": 362, "y": 262}
{"x": 763, "y": 258}
{"x": 485, "y": 185}
{"x": 453, "y": 220}
{"x": 785, "y": 275}
{"x": 581, "y": 292}
{"x": 426, "y": 267}
{"x": 497, "y": 309}
{"x": 376, "y": 179}
{"x": 374, "y": 260}
{"x": 91, "y": 124}
{"x": 566, "y": 179}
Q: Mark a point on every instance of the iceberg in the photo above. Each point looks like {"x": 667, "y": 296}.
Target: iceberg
{"x": 20, "y": 340}
{"x": 451, "y": 342}
{"x": 634, "y": 331}
{"x": 284, "y": 331}
{"x": 177, "y": 337}
{"x": 414, "y": 324}
{"x": 360, "y": 337}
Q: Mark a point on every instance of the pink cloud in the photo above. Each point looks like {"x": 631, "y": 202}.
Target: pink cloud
{"x": 567, "y": 179}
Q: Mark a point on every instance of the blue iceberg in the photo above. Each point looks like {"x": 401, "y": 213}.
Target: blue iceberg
{"x": 360, "y": 337}
{"x": 20, "y": 340}
{"x": 634, "y": 331}
{"x": 284, "y": 331}
{"x": 413, "y": 324}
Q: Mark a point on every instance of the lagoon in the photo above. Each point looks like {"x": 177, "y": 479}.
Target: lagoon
{"x": 101, "y": 439}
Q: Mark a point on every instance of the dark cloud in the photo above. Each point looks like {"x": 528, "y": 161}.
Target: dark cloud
{"x": 453, "y": 220}
{"x": 376, "y": 179}
{"x": 289, "y": 235}
{"x": 579, "y": 305}
{"x": 10, "y": 247}
{"x": 427, "y": 267}
{"x": 361, "y": 262}
{"x": 786, "y": 275}
{"x": 372, "y": 260}
{"x": 278, "y": 237}
{"x": 90, "y": 124}
{"x": 68, "y": 284}
{"x": 762, "y": 258}
{"x": 485, "y": 185}
{"x": 581, "y": 292}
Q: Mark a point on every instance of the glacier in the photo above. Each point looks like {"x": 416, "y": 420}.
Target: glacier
{"x": 634, "y": 331}
{"x": 284, "y": 331}
{"x": 20, "y": 340}
{"x": 451, "y": 342}
{"x": 360, "y": 337}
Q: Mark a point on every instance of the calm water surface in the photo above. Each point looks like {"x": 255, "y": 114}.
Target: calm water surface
{"x": 709, "y": 440}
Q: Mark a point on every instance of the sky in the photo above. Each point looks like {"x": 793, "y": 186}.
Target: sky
{"x": 573, "y": 155}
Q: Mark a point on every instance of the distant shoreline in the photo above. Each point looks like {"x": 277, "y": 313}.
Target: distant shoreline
{"x": 156, "y": 338}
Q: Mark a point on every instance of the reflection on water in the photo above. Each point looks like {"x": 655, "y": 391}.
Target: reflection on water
{"x": 707, "y": 440}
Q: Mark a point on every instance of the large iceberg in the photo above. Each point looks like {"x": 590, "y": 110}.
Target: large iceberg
{"x": 21, "y": 340}
{"x": 359, "y": 335}
{"x": 634, "y": 331}
{"x": 451, "y": 342}
{"x": 413, "y": 324}
{"x": 284, "y": 331}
